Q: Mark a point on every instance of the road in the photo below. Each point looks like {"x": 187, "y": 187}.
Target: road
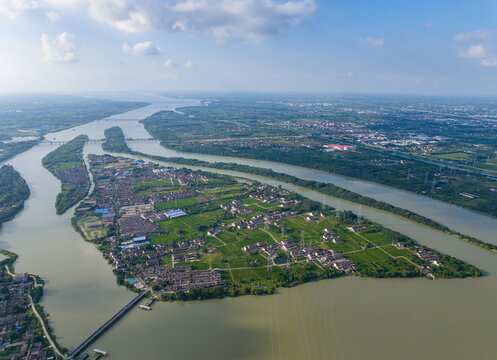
{"x": 45, "y": 331}
{"x": 47, "y": 334}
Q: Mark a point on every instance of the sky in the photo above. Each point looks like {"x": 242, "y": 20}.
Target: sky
{"x": 442, "y": 47}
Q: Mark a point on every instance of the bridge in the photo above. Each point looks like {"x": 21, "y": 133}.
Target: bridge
{"x": 120, "y": 120}
{"x": 96, "y": 141}
{"x": 105, "y": 326}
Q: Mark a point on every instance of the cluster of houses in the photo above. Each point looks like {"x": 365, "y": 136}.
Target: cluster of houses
{"x": 325, "y": 257}
{"x": 182, "y": 278}
{"x": 180, "y": 176}
{"x": 18, "y": 333}
{"x": 428, "y": 256}
{"x": 76, "y": 176}
{"x": 137, "y": 219}
{"x": 273, "y": 199}
{"x": 270, "y": 217}
{"x": 236, "y": 207}
{"x": 175, "y": 195}
{"x": 329, "y": 235}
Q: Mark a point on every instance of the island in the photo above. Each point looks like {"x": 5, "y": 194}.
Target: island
{"x": 179, "y": 234}
{"x": 66, "y": 164}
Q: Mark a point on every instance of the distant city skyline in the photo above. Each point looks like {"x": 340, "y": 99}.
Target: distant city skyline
{"x": 356, "y": 46}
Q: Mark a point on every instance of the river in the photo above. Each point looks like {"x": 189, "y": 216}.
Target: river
{"x": 348, "y": 318}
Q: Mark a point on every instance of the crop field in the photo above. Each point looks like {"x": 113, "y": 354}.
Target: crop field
{"x": 186, "y": 228}
{"x": 177, "y": 203}
{"x": 378, "y": 238}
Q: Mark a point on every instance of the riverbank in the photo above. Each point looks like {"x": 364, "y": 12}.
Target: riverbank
{"x": 24, "y": 289}
{"x": 13, "y": 192}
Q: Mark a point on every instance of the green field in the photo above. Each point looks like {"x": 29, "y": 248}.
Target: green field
{"x": 377, "y": 238}
{"x": 176, "y": 203}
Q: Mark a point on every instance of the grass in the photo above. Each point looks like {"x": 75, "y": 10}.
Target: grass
{"x": 392, "y": 250}
{"x": 186, "y": 227}
{"x": 247, "y": 275}
{"x": 176, "y": 203}
{"x": 377, "y": 238}
{"x": 368, "y": 256}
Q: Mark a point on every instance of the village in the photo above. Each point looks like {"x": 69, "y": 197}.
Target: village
{"x": 170, "y": 231}
{"x": 21, "y": 336}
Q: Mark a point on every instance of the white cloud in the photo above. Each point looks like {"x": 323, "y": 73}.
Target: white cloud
{"x": 222, "y": 19}
{"x": 144, "y": 48}
{"x": 375, "y": 41}
{"x": 168, "y": 63}
{"x": 188, "y": 64}
{"x": 474, "y": 35}
{"x": 485, "y": 49}
{"x": 62, "y": 49}
{"x": 474, "y": 51}
{"x": 14, "y": 8}
{"x": 489, "y": 62}
{"x": 53, "y": 15}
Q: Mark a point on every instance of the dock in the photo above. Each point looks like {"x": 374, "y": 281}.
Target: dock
{"x": 106, "y": 326}
{"x": 148, "y": 305}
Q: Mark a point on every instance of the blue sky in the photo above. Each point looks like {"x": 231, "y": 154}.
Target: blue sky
{"x": 339, "y": 46}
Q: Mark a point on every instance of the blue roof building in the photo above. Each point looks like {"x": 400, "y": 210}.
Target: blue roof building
{"x": 174, "y": 213}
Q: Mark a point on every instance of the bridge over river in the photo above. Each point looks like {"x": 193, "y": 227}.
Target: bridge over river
{"x": 96, "y": 141}
{"x": 105, "y": 326}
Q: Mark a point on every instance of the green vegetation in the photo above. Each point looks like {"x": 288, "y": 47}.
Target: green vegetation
{"x": 39, "y": 114}
{"x": 115, "y": 140}
{"x": 241, "y": 238}
{"x": 325, "y": 188}
{"x": 28, "y": 117}
{"x": 272, "y": 131}
{"x": 328, "y": 189}
{"x": 66, "y": 163}
{"x": 9, "y": 150}
{"x": 13, "y": 192}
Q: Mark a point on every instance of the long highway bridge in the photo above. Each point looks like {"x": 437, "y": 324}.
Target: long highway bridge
{"x": 95, "y": 141}
{"x": 105, "y": 326}
{"x": 120, "y": 120}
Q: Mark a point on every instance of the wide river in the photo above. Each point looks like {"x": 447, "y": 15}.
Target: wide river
{"x": 348, "y": 318}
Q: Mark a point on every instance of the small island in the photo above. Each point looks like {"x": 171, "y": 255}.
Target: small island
{"x": 184, "y": 235}
{"x": 66, "y": 164}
